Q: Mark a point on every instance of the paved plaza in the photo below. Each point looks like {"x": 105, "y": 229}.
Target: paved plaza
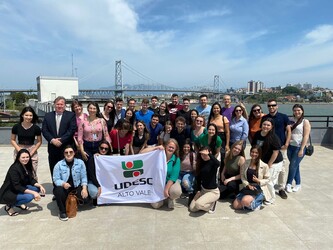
{"x": 303, "y": 221}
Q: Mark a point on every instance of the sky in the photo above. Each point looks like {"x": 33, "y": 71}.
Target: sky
{"x": 179, "y": 43}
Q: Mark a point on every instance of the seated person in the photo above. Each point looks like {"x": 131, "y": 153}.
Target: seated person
{"x": 19, "y": 187}
{"x": 94, "y": 188}
{"x": 69, "y": 175}
{"x": 187, "y": 167}
{"x": 255, "y": 176}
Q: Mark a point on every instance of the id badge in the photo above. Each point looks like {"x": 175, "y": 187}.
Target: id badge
{"x": 94, "y": 137}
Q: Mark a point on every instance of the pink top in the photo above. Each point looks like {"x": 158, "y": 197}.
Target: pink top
{"x": 92, "y": 131}
{"x": 78, "y": 122}
{"x": 186, "y": 163}
{"x": 122, "y": 140}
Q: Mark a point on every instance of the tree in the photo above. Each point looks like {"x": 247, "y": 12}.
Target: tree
{"x": 291, "y": 90}
{"x": 18, "y": 97}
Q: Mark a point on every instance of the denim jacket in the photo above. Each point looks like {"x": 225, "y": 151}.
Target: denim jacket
{"x": 61, "y": 173}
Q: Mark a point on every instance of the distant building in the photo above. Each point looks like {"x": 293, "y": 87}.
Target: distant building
{"x": 49, "y": 87}
{"x": 254, "y": 87}
{"x": 307, "y": 86}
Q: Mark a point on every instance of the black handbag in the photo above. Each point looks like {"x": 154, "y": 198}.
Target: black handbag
{"x": 309, "y": 149}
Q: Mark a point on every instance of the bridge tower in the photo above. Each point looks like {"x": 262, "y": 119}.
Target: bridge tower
{"x": 216, "y": 88}
{"x": 118, "y": 81}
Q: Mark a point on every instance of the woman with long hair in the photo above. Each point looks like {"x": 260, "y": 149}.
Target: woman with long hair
{"x": 140, "y": 138}
{"x": 300, "y": 132}
{"x": 239, "y": 127}
{"x": 255, "y": 117}
{"x": 92, "y": 131}
{"x": 121, "y": 137}
{"x": 172, "y": 188}
{"x": 77, "y": 108}
{"x": 206, "y": 171}
{"x": 198, "y": 129}
{"x": 211, "y": 140}
{"x": 165, "y": 134}
{"x": 69, "y": 175}
{"x": 19, "y": 187}
{"x": 222, "y": 124}
{"x": 26, "y": 131}
{"x": 271, "y": 155}
{"x": 130, "y": 117}
{"x": 255, "y": 177}
{"x": 187, "y": 167}
{"x": 163, "y": 113}
{"x": 94, "y": 188}
{"x": 230, "y": 175}
{"x": 108, "y": 114}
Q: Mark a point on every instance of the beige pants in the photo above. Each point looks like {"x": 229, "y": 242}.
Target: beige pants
{"x": 34, "y": 159}
{"x": 175, "y": 191}
{"x": 206, "y": 200}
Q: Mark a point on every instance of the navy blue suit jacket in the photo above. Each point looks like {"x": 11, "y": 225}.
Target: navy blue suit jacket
{"x": 66, "y": 130}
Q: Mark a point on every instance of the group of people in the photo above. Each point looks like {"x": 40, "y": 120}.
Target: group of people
{"x": 204, "y": 150}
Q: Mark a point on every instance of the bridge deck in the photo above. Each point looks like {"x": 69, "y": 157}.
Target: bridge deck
{"x": 303, "y": 221}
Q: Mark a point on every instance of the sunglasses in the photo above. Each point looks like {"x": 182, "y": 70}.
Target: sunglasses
{"x": 110, "y": 107}
{"x": 199, "y": 121}
{"x": 69, "y": 152}
{"x": 238, "y": 110}
{"x": 272, "y": 105}
{"x": 102, "y": 148}
{"x": 256, "y": 110}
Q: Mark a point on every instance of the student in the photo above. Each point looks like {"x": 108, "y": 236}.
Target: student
{"x": 207, "y": 167}
{"x": 300, "y": 132}
{"x": 144, "y": 114}
{"x": 255, "y": 120}
{"x": 227, "y": 109}
{"x": 185, "y": 112}
{"x": 172, "y": 190}
{"x": 121, "y": 137}
{"x": 165, "y": 134}
{"x": 140, "y": 138}
{"x": 174, "y": 107}
{"x": 180, "y": 133}
{"x": 154, "y": 104}
{"x": 204, "y": 108}
{"x": 26, "y": 131}
{"x": 154, "y": 128}
{"x": 19, "y": 187}
{"x": 255, "y": 177}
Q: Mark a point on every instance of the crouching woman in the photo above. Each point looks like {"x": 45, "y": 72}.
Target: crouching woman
{"x": 207, "y": 166}
{"x": 255, "y": 176}
{"x": 19, "y": 187}
{"x": 69, "y": 175}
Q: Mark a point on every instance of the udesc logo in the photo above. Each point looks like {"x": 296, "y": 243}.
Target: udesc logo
{"x": 132, "y": 168}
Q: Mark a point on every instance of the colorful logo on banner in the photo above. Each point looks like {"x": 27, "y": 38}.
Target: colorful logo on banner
{"x": 132, "y": 168}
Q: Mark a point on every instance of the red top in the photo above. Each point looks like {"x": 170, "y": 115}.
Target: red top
{"x": 122, "y": 140}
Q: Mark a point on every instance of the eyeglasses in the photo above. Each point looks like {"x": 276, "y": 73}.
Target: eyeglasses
{"x": 102, "y": 148}
{"x": 68, "y": 152}
{"x": 271, "y": 105}
{"x": 238, "y": 110}
{"x": 256, "y": 110}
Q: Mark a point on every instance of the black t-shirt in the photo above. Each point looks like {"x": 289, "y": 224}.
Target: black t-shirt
{"x": 26, "y": 136}
{"x": 275, "y": 144}
{"x": 137, "y": 142}
{"x": 186, "y": 115}
{"x": 208, "y": 171}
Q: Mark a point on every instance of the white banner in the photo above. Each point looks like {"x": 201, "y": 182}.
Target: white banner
{"x": 132, "y": 178}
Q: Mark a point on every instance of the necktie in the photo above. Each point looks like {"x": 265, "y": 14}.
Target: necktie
{"x": 58, "y": 119}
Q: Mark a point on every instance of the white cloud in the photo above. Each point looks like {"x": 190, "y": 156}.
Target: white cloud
{"x": 320, "y": 34}
{"x": 196, "y": 17}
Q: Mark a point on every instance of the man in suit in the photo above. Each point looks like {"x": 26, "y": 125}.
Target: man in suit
{"x": 58, "y": 129}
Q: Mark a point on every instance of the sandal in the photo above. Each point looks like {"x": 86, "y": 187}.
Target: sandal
{"x": 7, "y": 208}
{"x": 23, "y": 207}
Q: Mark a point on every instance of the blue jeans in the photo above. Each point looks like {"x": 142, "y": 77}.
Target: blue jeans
{"x": 258, "y": 199}
{"x": 294, "y": 173}
{"x": 186, "y": 180}
{"x": 23, "y": 198}
{"x": 92, "y": 190}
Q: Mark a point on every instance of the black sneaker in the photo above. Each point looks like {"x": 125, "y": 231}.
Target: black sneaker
{"x": 213, "y": 208}
{"x": 94, "y": 202}
{"x": 283, "y": 194}
{"x": 63, "y": 216}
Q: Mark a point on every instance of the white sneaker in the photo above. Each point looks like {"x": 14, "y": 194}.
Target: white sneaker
{"x": 171, "y": 203}
{"x": 297, "y": 188}
{"x": 213, "y": 208}
{"x": 288, "y": 188}
{"x": 267, "y": 203}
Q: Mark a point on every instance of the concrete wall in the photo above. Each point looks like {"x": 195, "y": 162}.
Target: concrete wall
{"x": 50, "y": 87}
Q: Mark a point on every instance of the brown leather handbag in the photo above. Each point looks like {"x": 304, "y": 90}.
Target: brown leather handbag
{"x": 71, "y": 204}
